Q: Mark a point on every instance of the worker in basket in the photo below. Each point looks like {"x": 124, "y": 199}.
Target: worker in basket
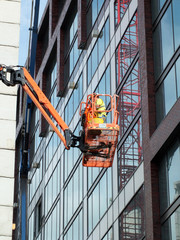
{"x": 99, "y": 115}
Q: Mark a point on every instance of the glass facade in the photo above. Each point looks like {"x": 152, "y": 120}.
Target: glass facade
{"x": 130, "y": 155}
{"x": 131, "y": 221}
{"x": 171, "y": 228}
{"x": 72, "y": 52}
{"x": 93, "y": 9}
{"x": 99, "y": 200}
{"x": 169, "y": 185}
{"x": 169, "y": 177}
{"x": 127, "y": 50}
{"x": 73, "y": 194}
{"x": 75, "y": 232}
{"x": 120, "y": 8}
{"x": 98, "y": 51}
{"x": 74, "y": 101}
{"x": 166, "y": 41}
{"x": 66, "y": 200}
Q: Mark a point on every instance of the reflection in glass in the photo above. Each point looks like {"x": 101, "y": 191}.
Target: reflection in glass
{"x": 169, "y": 177}
{"x": 131, "y": 221}
{"x": 75, "y": 232}
{"x": 94, "y": 11}
{"x": 98, "y": 51}
{"x": 130, "y": 154}
{"x": 166, "y": 95}
{"x": 100, "y": 200}
{"x": 127, "y": 49}
{"x": 167, "y": 36}
{"x": 156, "y": 7}
{"x": 95, "y": 203}
{"x": 171, "y": 228}
{"x": 178, "y": 76}
{"x": 176, "y": 18}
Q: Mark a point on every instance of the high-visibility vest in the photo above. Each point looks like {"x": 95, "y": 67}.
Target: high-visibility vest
{"x": 100, "y": 103}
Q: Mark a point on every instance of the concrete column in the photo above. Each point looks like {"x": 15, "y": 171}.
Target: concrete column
{"x": 9, "y": 48}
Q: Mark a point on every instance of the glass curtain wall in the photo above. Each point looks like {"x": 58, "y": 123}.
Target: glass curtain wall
{"x": 131, "y": 221}
{"x": 98, "y": 51}
{"x": 93, "y": 9}
{"x": 169, "y": 185}
{"x": 166, "y": 41}
{"x": 72, "y": 52}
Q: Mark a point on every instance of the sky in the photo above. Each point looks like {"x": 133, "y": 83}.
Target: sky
{"x": 25, "y": 19}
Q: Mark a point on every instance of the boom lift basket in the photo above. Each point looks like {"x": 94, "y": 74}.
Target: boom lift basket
{"x": 100, "y": 138}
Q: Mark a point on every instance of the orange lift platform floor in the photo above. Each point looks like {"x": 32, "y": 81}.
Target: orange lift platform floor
{"x": 100, "y": 137}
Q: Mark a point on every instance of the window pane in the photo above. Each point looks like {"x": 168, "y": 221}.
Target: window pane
{"x": 130, "y": 155}
{"x": 95, "y": 206}
{"x": 89, "y": 70}
{"x": 171, "y": 228}
{"x": 176, "y": 18}
{"x": 100, "y": 3}
{"x": 94, "y": 59}
{"x": 107, "y": 33}
{"x": 167, "y": 36}
{"x": 71, "y": 57}
{"x": 76, "y": 52}
{"x": 108, "y": 81}
{"x": 160, "y": 104}
{"x": 169, "y": 177}
{"x": 178, "y": 76}
{"x": 170, "y": 90}
{"x": 90, "y": 214}
{"x": 103, "y": 195}
{"x": 132, "y": 218}
{"x": 166, "y": 95}
{"x": 101, "y": 45}
{"x": 94, "y": 11}
{"x": 156, "y": 7}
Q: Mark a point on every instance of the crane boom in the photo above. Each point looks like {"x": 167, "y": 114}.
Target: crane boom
{"x": 21, "y": 76}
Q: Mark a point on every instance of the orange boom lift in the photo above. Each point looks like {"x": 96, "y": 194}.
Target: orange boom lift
{"x": 97, "y": 140}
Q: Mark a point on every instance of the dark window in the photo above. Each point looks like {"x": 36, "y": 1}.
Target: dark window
{"x": 38, "y": 218}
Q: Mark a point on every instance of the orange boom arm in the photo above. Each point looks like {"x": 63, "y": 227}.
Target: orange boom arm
{"x": 22, "y": 77}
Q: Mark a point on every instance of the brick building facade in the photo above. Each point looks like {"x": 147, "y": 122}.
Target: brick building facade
{"x": 120, "y": 47}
